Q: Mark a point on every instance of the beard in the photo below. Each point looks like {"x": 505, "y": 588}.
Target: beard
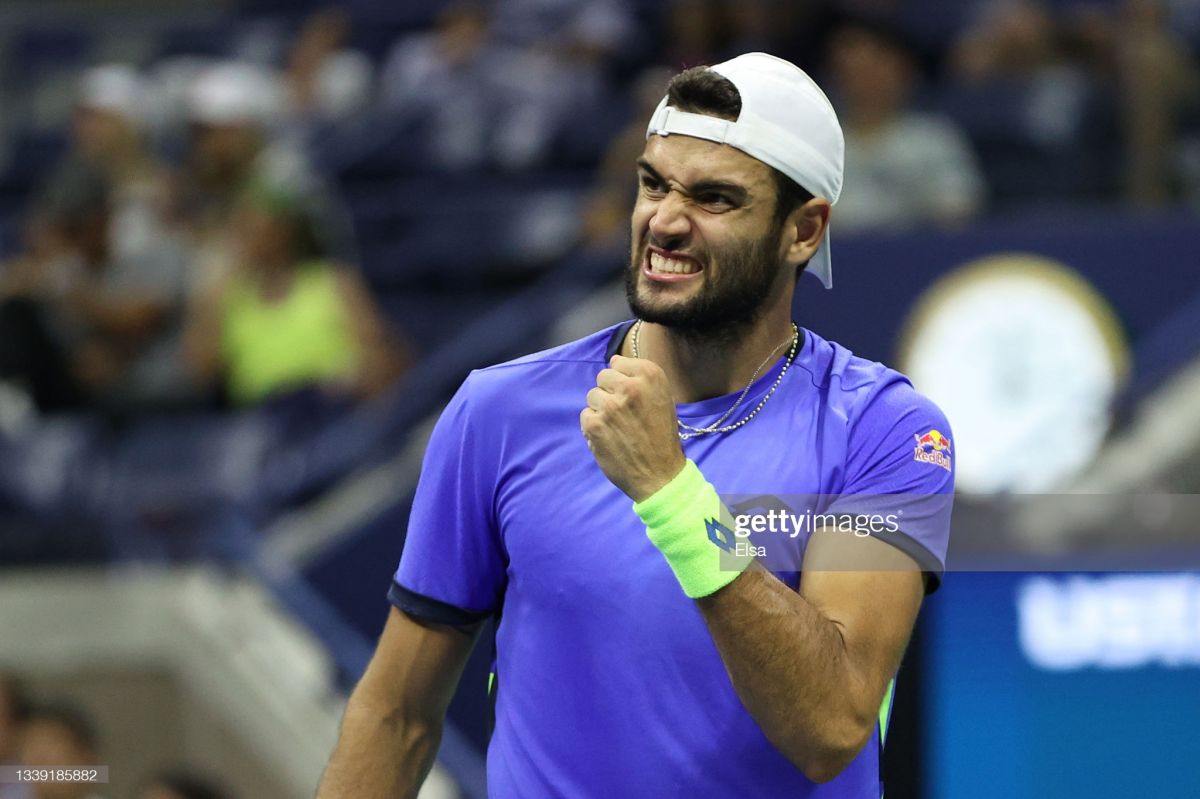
{"x": 728, "y": 301}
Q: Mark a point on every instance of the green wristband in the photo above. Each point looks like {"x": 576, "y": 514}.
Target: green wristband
{"x": 695, "y": 532}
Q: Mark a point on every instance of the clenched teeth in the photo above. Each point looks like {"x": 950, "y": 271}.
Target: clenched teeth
{"x": 674, "y": 266}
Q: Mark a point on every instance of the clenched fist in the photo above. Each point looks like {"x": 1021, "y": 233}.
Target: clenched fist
{"x": 630, "y": 426}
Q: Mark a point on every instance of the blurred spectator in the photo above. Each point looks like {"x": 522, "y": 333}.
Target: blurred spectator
{"x": 106, "y": 135}
{"x": 59, "y": 735}
{"x": 593, "y": 31}
{"x": 83, "y": 325}
{"x": 180, "y": 785}
{"x": 485, "y": 102}
{"x": 903, "y": 167}
{"x": 441, "y": 78}
{"x": 566, "y": 51}
{"x": 229, "y": 108}
{"x": 232, "y": 109}
{"x": 282, "y": 321}
{"x": 1042, "y": 118}
{"x": 137, "y": 255}
{"x": 325, "y": 80}
{"x": 1011, "y": 38}
{"x": 1158, "y": 80}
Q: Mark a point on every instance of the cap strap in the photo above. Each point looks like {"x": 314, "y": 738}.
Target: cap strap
{"x": 668, "y": 119}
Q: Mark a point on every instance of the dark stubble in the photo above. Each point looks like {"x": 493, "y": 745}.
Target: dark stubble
{"x": 730, "y": 300}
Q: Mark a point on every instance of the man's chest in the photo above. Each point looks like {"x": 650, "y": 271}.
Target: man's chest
{"x": 572, "y": 537}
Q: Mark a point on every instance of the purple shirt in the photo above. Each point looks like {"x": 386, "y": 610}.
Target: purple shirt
{"x": 608, "y": 683}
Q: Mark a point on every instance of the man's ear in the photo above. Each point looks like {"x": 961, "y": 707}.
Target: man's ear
{"x": 804, "y": 230}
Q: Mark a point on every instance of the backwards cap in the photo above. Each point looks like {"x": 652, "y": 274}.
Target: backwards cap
{"x": 786, "y": 122}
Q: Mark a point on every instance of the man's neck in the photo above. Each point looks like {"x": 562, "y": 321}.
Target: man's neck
{"x": 702, "y": 368}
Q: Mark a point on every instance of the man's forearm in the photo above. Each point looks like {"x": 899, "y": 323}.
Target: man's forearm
{"x": 790, "y": 667}
{"x": 380, "y": 754}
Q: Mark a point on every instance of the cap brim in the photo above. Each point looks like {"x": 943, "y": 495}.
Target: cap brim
{"x": 821, "y": 265}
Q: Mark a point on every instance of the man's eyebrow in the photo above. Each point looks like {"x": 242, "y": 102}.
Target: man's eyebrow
{"x": 735, "y": 190}
{"x": 644, "y": 164}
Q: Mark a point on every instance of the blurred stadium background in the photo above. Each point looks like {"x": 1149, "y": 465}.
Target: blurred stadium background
{"x": 251, "y": 248}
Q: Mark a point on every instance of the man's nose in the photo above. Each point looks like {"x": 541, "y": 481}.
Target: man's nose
{"x": 670, "y": 222}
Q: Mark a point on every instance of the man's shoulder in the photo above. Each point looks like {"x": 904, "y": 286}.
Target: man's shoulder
{"x": 855, "y": 385}
{"x": 834, "y": 368}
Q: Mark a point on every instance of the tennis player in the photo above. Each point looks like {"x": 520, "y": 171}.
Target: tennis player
{"x": 642, "y": 650}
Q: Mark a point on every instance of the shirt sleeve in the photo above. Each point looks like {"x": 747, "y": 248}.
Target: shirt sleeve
{"x": 900, "y": 466}
{"x": 453, "y": 569}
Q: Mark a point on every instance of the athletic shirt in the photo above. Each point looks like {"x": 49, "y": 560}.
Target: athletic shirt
{"x": 607, "y": 682}
{"x": 301, "y": 339}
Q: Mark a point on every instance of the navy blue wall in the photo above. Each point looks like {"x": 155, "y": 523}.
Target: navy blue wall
{"x": 1147, "y": 267}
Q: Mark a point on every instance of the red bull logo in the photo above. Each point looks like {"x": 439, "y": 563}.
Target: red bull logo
{"x": 933, "y": 447}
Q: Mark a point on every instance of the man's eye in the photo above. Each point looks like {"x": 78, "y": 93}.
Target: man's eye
{"x": 714, "y": 199}
{"x": 651, "y": 185}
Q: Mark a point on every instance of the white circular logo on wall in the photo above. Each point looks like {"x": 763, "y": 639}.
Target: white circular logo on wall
{"x": 1024, "y": 357}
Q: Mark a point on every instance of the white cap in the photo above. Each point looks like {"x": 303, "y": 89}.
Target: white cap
{"x": 233, "y": 94}
{"x": 786, "y": 122}
{"x": 113, "y": 88}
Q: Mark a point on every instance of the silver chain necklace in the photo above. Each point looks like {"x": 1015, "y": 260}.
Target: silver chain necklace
{"x": 687, "y": 431}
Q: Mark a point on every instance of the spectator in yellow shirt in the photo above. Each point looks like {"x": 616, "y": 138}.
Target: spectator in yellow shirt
{"x": 278, "y": 322}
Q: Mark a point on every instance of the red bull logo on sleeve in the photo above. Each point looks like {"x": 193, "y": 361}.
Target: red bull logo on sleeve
{"x": 933, "y": 447}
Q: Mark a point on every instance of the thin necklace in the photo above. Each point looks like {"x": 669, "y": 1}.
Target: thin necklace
{"x": 687, "y": 431}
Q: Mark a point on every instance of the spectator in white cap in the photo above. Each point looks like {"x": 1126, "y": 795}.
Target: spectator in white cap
{"x": 233, "y": 110}
{"x": 107, "y": 135}
{"x": 106, "y": 111}
{"x": 230, "y": 108}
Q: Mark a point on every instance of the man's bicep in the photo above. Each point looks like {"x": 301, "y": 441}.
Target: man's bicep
{"x": 454, "y": 557}
{"x": 872, "y": 591}
{"x": 417, "y": 666}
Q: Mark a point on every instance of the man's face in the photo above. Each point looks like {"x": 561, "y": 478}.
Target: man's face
{"x": 706, "y": 252}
